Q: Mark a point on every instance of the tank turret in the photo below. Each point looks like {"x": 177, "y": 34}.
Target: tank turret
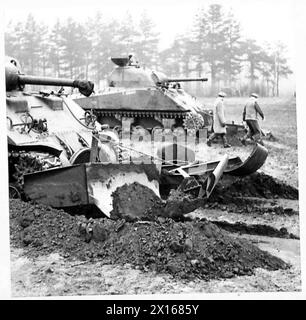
{"x": 15, "y": 80}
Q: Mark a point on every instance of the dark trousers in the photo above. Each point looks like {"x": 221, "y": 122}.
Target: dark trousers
{"x": 254, "y": 131}
{"x": 253, "y": 127}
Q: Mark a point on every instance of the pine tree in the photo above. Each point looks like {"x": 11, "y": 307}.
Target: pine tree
{"x": 13, "y": 40}
{"x": 84, "y": 47}
{"x": 232, "y": 55}
{"x": 280, "y": 66}
{"x": 266, "y": 71}
{"x": 31, "y": 40}
{"x": 146, "y": 46}
{"x": 126, "y": 36}
{"x": 44, "y": 49}
{"x": 199, "y": 32}
{"x": 72, "y": 42}
{"x": 176, "y": 61}
{"x": 103, "y": 36}
{"x": 210, "y": 35}
{"x": 55, "y": 49}
{"x": 253, "y": 56}
{"x": 169, "y": 59}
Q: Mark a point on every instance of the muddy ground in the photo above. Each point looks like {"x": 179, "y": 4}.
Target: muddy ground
{"x": 189, "y": 260}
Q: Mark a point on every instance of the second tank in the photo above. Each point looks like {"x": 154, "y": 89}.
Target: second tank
{"x": 138, "y": 98}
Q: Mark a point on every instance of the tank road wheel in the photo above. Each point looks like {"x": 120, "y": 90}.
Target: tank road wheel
{"x": 168, "y": 132}
{"x": 27, "y": 121}
{"x": 157, "y": 135}
{"x": 118, "y": 129}
{"x": 179, "y": 131}
{"x": 138, "y": 132}
{"x": 14, "y": 192}
{"x": 81, "y": 156}
{"x": 157, "y": 130}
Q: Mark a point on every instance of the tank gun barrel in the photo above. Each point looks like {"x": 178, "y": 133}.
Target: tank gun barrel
{"x": 16, "y": 81}
{"x": 22, "y": 79}
{"x": 186, "y": 79}
{"x": 84, "y": 86}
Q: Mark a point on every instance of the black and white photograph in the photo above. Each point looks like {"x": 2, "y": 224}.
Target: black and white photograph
{"x": 150, "y": 148}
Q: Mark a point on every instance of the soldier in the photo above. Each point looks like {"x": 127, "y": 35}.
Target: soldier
{"x": 250, "y": 116}
{"x": 219, "y": 125}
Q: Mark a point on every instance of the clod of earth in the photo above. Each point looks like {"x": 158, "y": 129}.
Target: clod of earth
{"x": 137, "y": 202}
{"x": 131, "y": 202}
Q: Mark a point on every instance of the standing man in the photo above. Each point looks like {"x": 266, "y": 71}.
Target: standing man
{"x": 219, "y": 125}
{"x": 250, "y": 116}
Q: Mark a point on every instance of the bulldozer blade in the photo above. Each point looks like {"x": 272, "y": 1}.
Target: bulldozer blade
{"x": 87, "y": 184}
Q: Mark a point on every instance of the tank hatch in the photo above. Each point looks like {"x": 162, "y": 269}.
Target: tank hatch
{"x": 121, "y": 62}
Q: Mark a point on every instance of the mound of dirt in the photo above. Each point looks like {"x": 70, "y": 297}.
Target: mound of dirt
{"x": 254, "y": 185}
{"x": 197, "y": 249}
{"x": 247, "y": 195}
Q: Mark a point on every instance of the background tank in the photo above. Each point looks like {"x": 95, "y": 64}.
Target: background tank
{"x": 139, "y": 98}
{"x": 46, "y": 129}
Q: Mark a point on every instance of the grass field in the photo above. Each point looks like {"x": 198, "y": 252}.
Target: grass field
{"x": 280, "y": 116}
{"x": 280, "y": 119}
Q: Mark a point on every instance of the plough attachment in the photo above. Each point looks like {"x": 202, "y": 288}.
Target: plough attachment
{"x": 191, "y": 184}
{"x": 202, "y": 177}
{"x": 233, "y": 128}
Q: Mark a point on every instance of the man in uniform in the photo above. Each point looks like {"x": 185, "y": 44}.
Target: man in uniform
{"x": 219, "y": 125}
{"x": 250, "y": 116}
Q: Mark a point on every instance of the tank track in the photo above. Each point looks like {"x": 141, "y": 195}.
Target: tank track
{"x": 24, "y": 162}
{"x": 166, "y": 120}
{"x": 140, "y": 114}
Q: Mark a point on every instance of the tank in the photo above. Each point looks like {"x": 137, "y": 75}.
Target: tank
{"x": 46, "y": 129}
{"x": 136, "y": 97}
{"x": 59, "y": 155}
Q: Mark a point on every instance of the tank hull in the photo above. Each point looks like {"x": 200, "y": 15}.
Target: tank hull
{"x": 46, "y": 132}
{"x": 145, "y": 107}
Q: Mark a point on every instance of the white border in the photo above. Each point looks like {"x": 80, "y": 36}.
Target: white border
{"x": 299, "y": 19}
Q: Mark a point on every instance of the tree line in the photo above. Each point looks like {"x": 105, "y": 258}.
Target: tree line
{"x": 213, "y": 47}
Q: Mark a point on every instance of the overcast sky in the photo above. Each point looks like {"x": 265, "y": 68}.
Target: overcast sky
{"x": 263, "y": 20}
